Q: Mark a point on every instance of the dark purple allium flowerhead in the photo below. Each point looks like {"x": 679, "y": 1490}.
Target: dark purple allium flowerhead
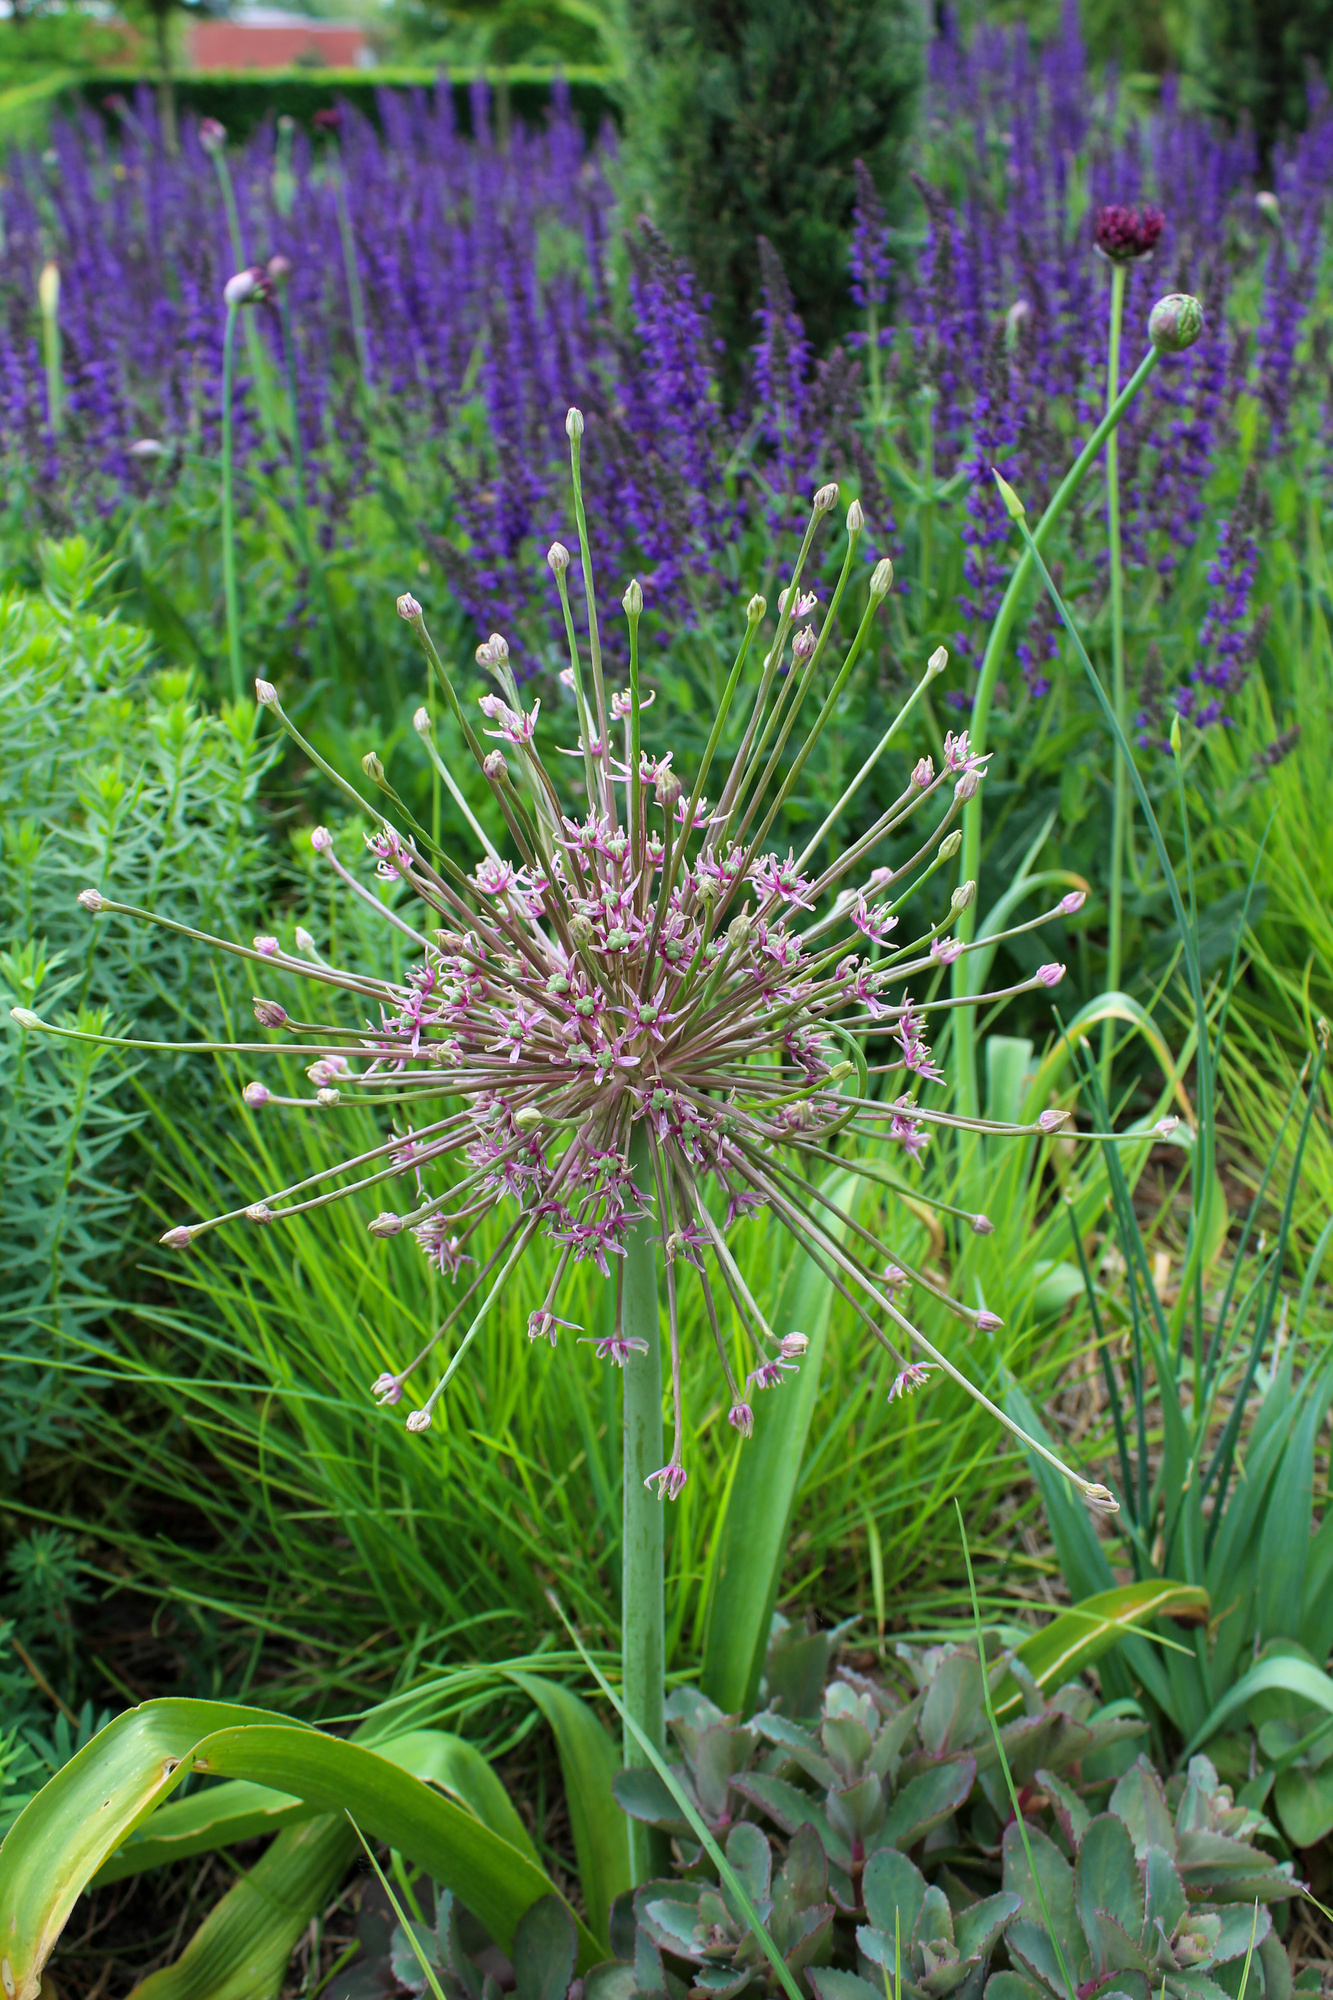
{"x": 638, "y": 1020}
{"x": 1124, "y": 235}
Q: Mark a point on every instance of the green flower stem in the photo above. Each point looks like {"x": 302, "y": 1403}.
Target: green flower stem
{"x": 254, "y": 346}
{"x": 309, "y": 555}
{"x": 228, "y": 521}
{"x": 643, "y": 1641}
{"x": 966, "y": 1098}
{"x": 1120, "y": 803}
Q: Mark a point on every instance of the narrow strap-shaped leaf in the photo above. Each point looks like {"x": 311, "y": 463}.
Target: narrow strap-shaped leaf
{"x": 1302, "y": 1678}
{"x": 1082, "y": 1634}
{"x": 589, "y": 1761}
{"x": 206, "y": 1821}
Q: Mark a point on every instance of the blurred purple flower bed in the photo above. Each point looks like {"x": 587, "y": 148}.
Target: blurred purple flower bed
{"x": 451, "y": 295}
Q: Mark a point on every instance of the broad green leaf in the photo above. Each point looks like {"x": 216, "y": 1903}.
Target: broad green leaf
{"x": 1106, "y": 1880}
{"x": 545, "y": 1948}
{"x": 1013, "y": 1986}
{"x": 752, "y": 1535}
{"x": 1072, "y": 1641}
{"x": 457, "y": 1766}
{"x": 1304, "y": 1801}
{"x": 1299, "y": 1677}
{"x": 105, "y": 1792}
{"x": 207, "y": 1820}
{"x": 242, "y": 1948}
{"x": 925, "y": 1802}
{"x": 830, "y": 1984}
{"x": 589, "y": 1761}
{"x": 893, "y": 1887}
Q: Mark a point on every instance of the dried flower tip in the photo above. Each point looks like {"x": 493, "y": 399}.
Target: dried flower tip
{"x": 803, "y": 645}
{"x": 1101, "y": 1500}
{"x": 1165, "y": 1127}
{"x": 1050, "y": 975}
{"x": 793, "y": 1346}
{"x": 950, "y": 845}
{"x": 557, "y": 557}
{"x": 938, "y": 660}
{"x": 212, "y": 135}
{"x": 1124, "y": 235}
{"x": 633, "y": 598}
{"x": 573, "y": 423}
{"x": 1267, "y": 203}
{"x": 964, "y": 895}
{"x": 670, "y": 1481}
{"x": 881, "y": 579}
{"x": 987, "y": 1322}
{"x": 826, "y": 497}
{"x": 923, "y": 774}
{"x": 386, "y": 1223}
{"x": 741, "y": 1417}
{"x": 528, "y": 1119}
{"x": 386, "y": 1389}
{"x": 259, "y": 1211}
{"x": 267, "y": 947}
{"x": 755, "y": 609}
{"x": 493, "y": 766}
{"x": 982, "y": 1226}
{"x": 419, "y": 1420}
{"x": 255, "y": 1095}
{"x": 914, "y": 1376}
{"x": 179, "y": 1238}
{"x": 408, "y": 607}
{"x": 856, "y": 519}
{"x": 327, "y": 1095}
{"x": 1072, "y": 902}
{"x": 269, "y": 1014}
{"x": 91, "y": 899}
{"x": 1052, "y": 1120}
{"x": 277, "y": 271}
{"x": 245, "y": 288}
{"x": 266, "y": 694}
{"x": 322, "y": 840}
{"x": 373, "y": 768}
{"x": 421, "y": 722}
{"x": 1175, "y": 322}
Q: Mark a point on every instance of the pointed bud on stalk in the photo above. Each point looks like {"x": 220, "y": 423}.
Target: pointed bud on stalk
{"x": 212, "y": 135}
{"x": 373, "y": 768}
{"x": 48, "y": 289}
{"x": 633, "y": 598}
{"x": 557, "y": 557}
{"x": 1175, "y": 323}
{"x": 803, "y": 645}
{"x": 1175, "y": 738}
{"x": 25, "y": 1017}
{"x": 256, "y": 1094}
{"x": 856, "y": 519}
{"x": 581, "y": 931}
{"x": 1013, "y": 506}
{"x": 741, "y": 1418}
{"x": 1073, "y": 902}
{"x": 1052, "y": 1120}
{"x": 494, "y": 767}
{"x": 266, "y": 694}
{"x": 938, "y": 660}
{"x": 386, "y": 1223}
{"x": 322, "y": 840}
{"x": 982, "y": 1226}
{"x": 967, "y": 787}
{"x": 528, "y": 1119}
{"x": 408, "y": 607}
{"x": 179, "y": 1238}
{"x": 267, "y": 947}
{"x": 574, "y": 424}
{"x": 988, "y": 1322}
{"x": 756, "y": 608}
{"x": 277, "y": 271}
{"x": 1050, "y": 975}
{"x": 1165, "y": 1127}
{"x": 421, "y": 722}
{"x": 950, "y": 844}
{"x": 91, "y": 899}
{"x": 245, "y": 289}
{"x": 667, "y": 790}
{"x": 881, "y": 579}
{"x": 963, "y": 896}
{"x": 1268, "y": 205}
{"x": 269, "y": 1014}
{"x": 923, "y": 774}
{"x": 304, "y": 941}
{"x": 826, "y": 497}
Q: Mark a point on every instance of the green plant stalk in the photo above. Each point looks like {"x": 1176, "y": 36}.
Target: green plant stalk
{"x": 642, "y": 1613}
{"x": 254, "y": 346}
{"x": 55, "y": 404}
{"x": 314, "y": 566}
{"x": 355, "y": 296}
{"x": 1120, "y": 804}
{"x": 966, "y": 1099}
{"x": 228, "y": 512}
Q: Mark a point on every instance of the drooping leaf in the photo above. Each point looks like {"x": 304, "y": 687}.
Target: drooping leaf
{"x": 589, "y": 1761}
{"x": 1299, "y": 1677}
{"x": 214, "y": 1818}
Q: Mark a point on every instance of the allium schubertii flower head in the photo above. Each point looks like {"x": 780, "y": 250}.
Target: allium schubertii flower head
{"x": 641, "y": 1015}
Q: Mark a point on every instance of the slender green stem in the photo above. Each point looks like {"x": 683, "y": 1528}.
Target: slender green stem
{"x": 966, "y": 1098}
{"x": 254, "y": 346}
{"x": 927, "y": 495}
{"x": 1120, "y": 804}
{"x": 643, "y": 1641}
{"x": 314, "y": 567}
{"x": 356, "y": 298}
{"x": 228, "y": 522}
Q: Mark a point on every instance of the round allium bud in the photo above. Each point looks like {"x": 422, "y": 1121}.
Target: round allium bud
{"x": 267, "y": 947}
{"x": 25, "y": 1017}
{"x": 558, "y": 558}
{"x": 528, "y": 1119}
{"x": 373, "y": 768}
{"x": 667, "y": 790}
{"x": 1072, "y": 902}
{"x": 950, "y": 844}
{"x": 963, "y": 896}
{"x": 967, "y": 787}
{"x": 1175, "y": 322}
{"x": 982, "y": 1226}
{"x": 259, "y": 1211}
{"x": 573, "y": 423}
{"x": 265, "y": 693}
{"x": 421, "y": 722}
{"x": 988, "y": 1322}
{"x": 269, "y": 1014}
{"x": 212, "y": 135}
{"x": 277, "y": 271}
{"x": 1267, "y": 203}
{"x": 741, "y": 1418}
{"x": 499, "y": 648}
{"x": 1050, "y": 975}
{"x": 856, "y": 519}
{"x": 91, "y": 899}
{"x": 386, "y": 1223}
{"x": 322, "y": 840}
{"x": 633, "y": 598}
{"x": 881, "y": 578}
{"x": 739, "y": 932}
{"x": 408, "y": 606}
{"x": 256, "y": 1094}
{"x": 756, "y": 608}
{"x": 419, "y": 1420}
{"x": 494, "y": 767}
{"x": 178, "y": 1238}
{"x": 245, "y": 288}
{"x": 328, "y": 1095}
{"x": 1124, "y": 235}
{"x": 826, "y": 497}
{"x": 793, "y": 1346}
{"x": 938, "y": 660}
{"x": 1052, "y": 1120}
{"x": 803, "y": 645}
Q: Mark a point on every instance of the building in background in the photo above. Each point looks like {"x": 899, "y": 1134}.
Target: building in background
{"x": 274, "y": 38}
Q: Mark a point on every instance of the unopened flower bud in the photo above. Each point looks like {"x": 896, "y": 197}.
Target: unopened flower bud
{"x": 1052, "y": 1120}
{"x": 923, "y": 774}
{"x": 256, "y": 1094}
{"x": 739, "y": 932}
{"x": 1165, "y": 1127}
{"x": 259, "y": 1211}
{"x": 950, "y": 844}
{"x": 963, "y": 895}
{"x": 1175, "y": 322}
{"x": 327, "y": 1095}
{"x": 1173, "y": 734}
{"x": 245, "y": 288}
{"x": 793, "y": 1346}
{"x": 741, "y": 1418}
{"x": 881, "y": 579}
{"x": 573, "y": 423}
{"x": 146, "y": 448}
{"x": 419, "y": 1420}
{"x": 265, "y": 693}
{"x": 267, "y": 947}
{"x": 967, "y": 787}
{"x": 1101, "y": 1500}
{"x": 1050, "y": 975}
{"x": 269, "y": 1014}
{"x": 988, "y": 1322}
{"x": 322, "y": 840}
{"x": 304, "y": 941}
{"x": 826, "y": 497}
{"x": 92, "y": 899}
{"x": 528, "y": 1119}
{"x": 938, "y": 660}
{"x": 1267, "y": 203}
{"x": 373, "y": 768}
{"x": 558, "y": 558}
{"x": 581, "y": 931}
{"x": 756, "y": 608}
{"x": 633, "y": 598}
{"x": 856, "y": 519}
{"x": 982, "y": 1226}
{"x": 408, "y": 607}
{"x": 25, "y": 1017}
{"x": 803, "y": 645}
{"x": 667, "y": 790}
{"x": 178, "y": 1238}
{"x": 277, "y": 271}
{"x": 386, "y": 1223}
{"x": 494, "y": 767}
{"x": 421, "y": 722}
{"x": 212, "y": 135}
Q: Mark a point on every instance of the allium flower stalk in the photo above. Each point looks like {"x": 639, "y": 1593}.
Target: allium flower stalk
{"x": 641, "y": 1023}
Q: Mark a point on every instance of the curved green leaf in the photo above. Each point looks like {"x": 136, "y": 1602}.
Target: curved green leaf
{"x": 1082, "y": 1634}
{"x": 1299, "y": 1677}
{"x": 219, "y": 1817}
{"x": 457, "y": 1766}
{"x": 91, "y": 1806}
{"x": 589, "y": 1761}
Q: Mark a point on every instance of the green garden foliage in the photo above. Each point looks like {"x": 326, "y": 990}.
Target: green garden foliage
{"x": 744, "y": 120}
{"x": 1256, "y": 59}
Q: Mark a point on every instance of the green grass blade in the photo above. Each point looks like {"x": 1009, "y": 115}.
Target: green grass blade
{"x": 1082, "y": 1634}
